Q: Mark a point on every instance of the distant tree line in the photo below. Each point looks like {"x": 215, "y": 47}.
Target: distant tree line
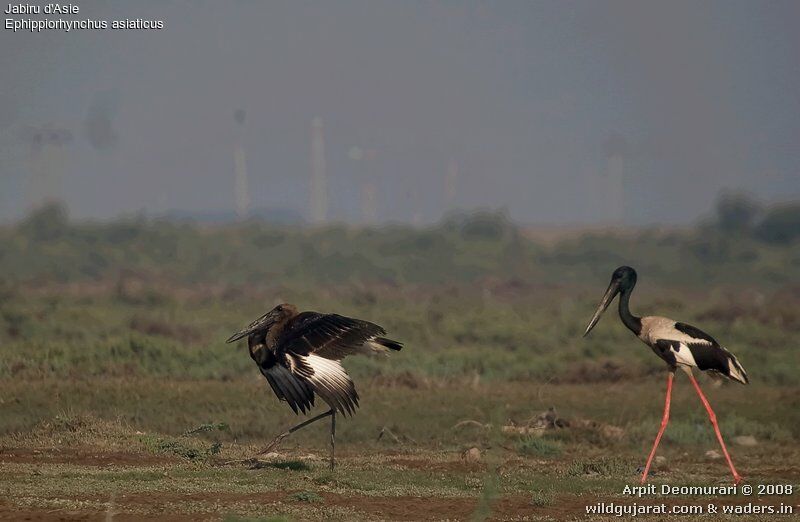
{"x": 740, "y": 213}
{"x": 744, "y": 241}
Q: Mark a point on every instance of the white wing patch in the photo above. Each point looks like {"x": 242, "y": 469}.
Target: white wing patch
{"x": 684, "y": 355}
{"x": 331, "y": 382}
{"x": 327, "y": 370}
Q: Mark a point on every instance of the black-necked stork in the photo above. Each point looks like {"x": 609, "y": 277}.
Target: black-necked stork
{"x": 299, "y": 354}
{"x": 679, "y": 344}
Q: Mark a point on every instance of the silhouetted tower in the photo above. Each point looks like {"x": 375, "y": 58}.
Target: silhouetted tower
{"x": 365, "y": 175}
{"x": 369, "y": 202}
{"x": 616, "y": 149}
{"x": 319, "y": 182}
{"x": 450, "y": 184}
{"x": 47, "y": 148}
{"x": 99, "y": 124}
{"x": 241, "y": 191}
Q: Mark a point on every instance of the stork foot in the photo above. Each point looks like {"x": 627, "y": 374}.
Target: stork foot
{"x": 272, "y": 445}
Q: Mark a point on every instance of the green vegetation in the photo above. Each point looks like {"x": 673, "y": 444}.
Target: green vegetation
{"x": 47, "y": 247}
{"x": 294, "y": 465}
{"x": 119, "y": 394}
{"x": 189, "y": 450}
{"x": 603, "y": 466}
{"x": 306, "y": 496}
{"x": 489, "y": 330}
{"x": 542, "y": 498}
{"x": 538, "y": 446}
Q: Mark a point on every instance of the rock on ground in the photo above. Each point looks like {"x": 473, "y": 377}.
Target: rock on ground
{"x": 471, "y": 455}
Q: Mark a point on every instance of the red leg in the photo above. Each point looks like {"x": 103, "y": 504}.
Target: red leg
{"x": 664, "y": 422}
{"x": 736, "y": 477}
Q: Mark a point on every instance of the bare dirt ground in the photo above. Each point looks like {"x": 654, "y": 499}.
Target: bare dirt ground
{"x": 51, "y": 484}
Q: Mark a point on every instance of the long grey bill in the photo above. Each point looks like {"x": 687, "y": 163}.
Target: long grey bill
{"x": 613, "y": 288}
{"x": 261, "y": 323}
{"x": 238, "y": 335}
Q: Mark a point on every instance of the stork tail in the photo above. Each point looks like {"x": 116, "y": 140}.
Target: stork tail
{"x": 388, "y": 343}
{"x": 735, "y": 370}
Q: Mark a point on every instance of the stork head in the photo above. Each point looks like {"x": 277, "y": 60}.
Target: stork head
{"x": 279, "y": 314}
{"x": 623, "y": 278}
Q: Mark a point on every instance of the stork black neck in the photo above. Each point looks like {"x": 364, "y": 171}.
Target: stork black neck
{"x": 633, "y": 323}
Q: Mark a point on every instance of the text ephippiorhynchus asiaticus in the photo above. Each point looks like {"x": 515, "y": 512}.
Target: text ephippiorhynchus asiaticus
{"x": 679, "y": 344}
{"x": 299, "y": 354}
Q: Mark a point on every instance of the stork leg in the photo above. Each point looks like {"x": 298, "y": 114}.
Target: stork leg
{"x": 333, "y": 437}
{"x": 664, "y": 421}
{"x": 736, "y": 477}
{"x": 277, "y": 440}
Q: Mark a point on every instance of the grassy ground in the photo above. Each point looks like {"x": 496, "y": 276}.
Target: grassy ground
{"x": 490, "y": 330}
{"x": 119, "y": 399}
{"x": 143, "y": 464}
{"x": 124, "y": 403}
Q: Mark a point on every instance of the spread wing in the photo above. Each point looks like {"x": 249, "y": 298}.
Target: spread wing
{"x": 328, "y": 379}
{"x": 305, "y": 360}
{"x": 297, "y": 392}
{"x": 287, "y": 385}
{"x": 329, "y": 336}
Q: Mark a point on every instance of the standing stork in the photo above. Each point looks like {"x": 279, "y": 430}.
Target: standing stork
{"x": 679, "y": 345}
{"x": 299, "y": 354}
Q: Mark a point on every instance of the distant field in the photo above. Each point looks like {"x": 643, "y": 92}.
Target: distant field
{"x": 491, "y": 330}
{"x": 120, "y": 400}
{"x": 465, "y": 248}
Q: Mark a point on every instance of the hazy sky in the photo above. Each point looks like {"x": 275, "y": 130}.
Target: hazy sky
{"x": 524, "y": 96}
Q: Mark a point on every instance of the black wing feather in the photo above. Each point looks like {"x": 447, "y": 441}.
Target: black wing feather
{"x": 715, "y": 358}
{"x": 331, "y": 336}
{"x": 697, "y": 333}
{"x": 296, "y": 392}
{"x": 295, "y": 367}
{"x": 710, "y": 356}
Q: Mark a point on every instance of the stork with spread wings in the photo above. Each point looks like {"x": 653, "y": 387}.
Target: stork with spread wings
{"x": 300, "y": 354}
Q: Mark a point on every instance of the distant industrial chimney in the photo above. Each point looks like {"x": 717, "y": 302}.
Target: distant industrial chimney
{"x": 450, "y": 184}
{"x": 241, "y": 192}
{"x": 47, "y": 160}
{"x": 99, "y": 123}
{"x": 364, "y": 174}
{"x": 319, "y": 182}
{"x": 616, "y": 149}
